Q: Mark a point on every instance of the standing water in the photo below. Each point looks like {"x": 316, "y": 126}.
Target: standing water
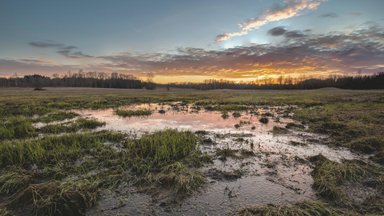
{"x": 268, "y": 165}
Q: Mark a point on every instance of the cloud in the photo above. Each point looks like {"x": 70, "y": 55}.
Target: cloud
{"x": 277, "y": 31}
{"x": 298, "y": 54}
{"x": 309, "y": 55}
{"x": 31, "y": 66}
{"x": 291, "y": 8}
{"x": 45, "y": 44}
{"x": 294, "y": 34}
{"x": 282, "y": 31}
{"x": 329, "y": 15}
{"x": 62, "y": 49}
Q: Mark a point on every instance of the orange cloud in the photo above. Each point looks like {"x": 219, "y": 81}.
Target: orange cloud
{"x": 290, "y": 9}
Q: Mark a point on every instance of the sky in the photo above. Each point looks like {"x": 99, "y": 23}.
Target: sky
{"x": 191, "y": 41}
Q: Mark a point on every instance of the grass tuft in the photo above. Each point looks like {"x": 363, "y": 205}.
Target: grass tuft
{"x": 55, "y": 198}
{"x": 16, "y": 127}
{"x": 68, "y": 127}
{"x": 329, "y": 175}
{"x": 300, "y": 209}
{"x": 13, "y": 180}
{"x": 130, "y": 113}
{"x": 153, "y": 151}
{"x": 368, "y": 145}
{"x": 181, "y": 179}
{"x": 57, "y": 116}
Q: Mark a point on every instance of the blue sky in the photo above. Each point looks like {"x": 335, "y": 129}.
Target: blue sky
{"x": 109, "y": 28}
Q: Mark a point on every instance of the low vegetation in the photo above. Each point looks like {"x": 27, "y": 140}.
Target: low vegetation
{"x": 35, "y": 171}
{"x": 299, "y": 209}
{"x": 57, "y": 116}
{"x": 55, "y": 198}
{"x": 68, "y": 127}
{"x": 61, "y": 167}
{"x": 130, "y": 113}
{"x": 332, "y": 181}
{"x": 279, "y": 130}
{"x": 153, "y": 151}
{"x": 16, "y": 127}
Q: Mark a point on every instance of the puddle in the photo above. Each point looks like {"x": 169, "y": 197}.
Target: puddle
{"x": 180, "y": 117}
{"x": 275, "y": 171}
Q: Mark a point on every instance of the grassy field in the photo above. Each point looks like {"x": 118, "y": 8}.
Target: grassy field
{"x": 63, "y": 174}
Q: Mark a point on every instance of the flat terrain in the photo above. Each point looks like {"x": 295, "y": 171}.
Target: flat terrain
{"x": 82, "y": 151}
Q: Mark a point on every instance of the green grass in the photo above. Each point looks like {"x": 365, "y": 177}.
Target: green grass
{"x": 16, "y": 127}
{"x": 130, "y": 113}
{"x": 225, "y": 107}
{"x": 45, "y": 187}
{"x": 352, "y": 119}
{"x": 332, "y": 182}
{"x": 163, "y": 159}
{"x": 353, "y": 122}
{"x": 329, "y": 176}
{"x": 57, "y": 116}
{"x": 68, "y": 127}
{"x": 224, "y": 115}
{"x": 178, "y": 177}
{"x": 55, "y": 198}
{"x": 308, "y": 208}
{"x": 54, "y": 149}
{"x": 153, "y": 151}
{"x": 13, "y": 180}
{"x": 368, "y": 145}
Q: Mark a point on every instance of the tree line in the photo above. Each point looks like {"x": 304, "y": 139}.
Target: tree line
{"x": 117, "y": 80}
{"x": 80, "y": 79}
{"x": 375, "y": 81}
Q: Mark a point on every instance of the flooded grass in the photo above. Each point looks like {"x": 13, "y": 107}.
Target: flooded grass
{"x": 5, "y": 212}
{"x": 191, "y": 153}
{"x": 68, "y": 127}
{"x": 300, "y": 209}
{"x": 16, "y": 127}
{"x": 349, "y": 183}
{"x": 178, "y": 178}
{"x": 54, "y": 198}
{"x": 14, "y": 180}
{"x": 153, "y": 151}
{"x": 130, "y": 113}
{"x": 57, "y": 116}
{"x": 328, "y": 175}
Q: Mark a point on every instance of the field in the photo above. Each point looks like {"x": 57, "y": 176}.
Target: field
{"x": 82, "y": 151}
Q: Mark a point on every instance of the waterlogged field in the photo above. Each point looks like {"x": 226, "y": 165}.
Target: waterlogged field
{"x": 135, "y": 152}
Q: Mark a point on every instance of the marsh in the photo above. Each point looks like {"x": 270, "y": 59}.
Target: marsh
{"x": 189, "y": 159}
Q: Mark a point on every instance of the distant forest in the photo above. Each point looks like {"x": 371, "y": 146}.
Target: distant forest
{"x": 345, "y": 82}
{"x": 116, "y": 80}
{"x": 89, "y": 79}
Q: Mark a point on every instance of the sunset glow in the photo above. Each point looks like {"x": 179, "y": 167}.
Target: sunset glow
{"x": 268, "y": 39}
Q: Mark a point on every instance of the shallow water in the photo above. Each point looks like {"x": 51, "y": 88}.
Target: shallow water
{"x": 183, "y": 118}
{"x": 278, "y": 173}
